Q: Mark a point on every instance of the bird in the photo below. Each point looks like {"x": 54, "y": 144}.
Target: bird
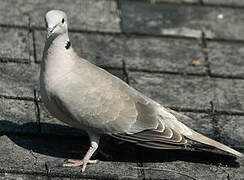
{"x": 88, "y": 97}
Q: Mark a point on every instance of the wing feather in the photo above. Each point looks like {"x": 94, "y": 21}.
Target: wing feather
{"x": 160, "y": 138}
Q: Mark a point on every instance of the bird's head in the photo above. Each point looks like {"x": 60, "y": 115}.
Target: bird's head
{"x": 56, "y": 23}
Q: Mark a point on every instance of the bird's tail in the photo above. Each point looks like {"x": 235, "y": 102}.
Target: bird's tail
{"x": 193, "y": 135}
{"x": 205, "y": 140}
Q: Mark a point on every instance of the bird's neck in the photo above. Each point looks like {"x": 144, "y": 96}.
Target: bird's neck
{"x": 58, "y": 41}
{"x": 58, "y": 56}
{"x": 57, "y": 48}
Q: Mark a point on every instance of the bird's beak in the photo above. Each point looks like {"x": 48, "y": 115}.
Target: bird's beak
{"x": 49, "y": 31}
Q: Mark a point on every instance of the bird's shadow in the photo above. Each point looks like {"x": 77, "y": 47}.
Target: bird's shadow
{"x": 67, "y": 142}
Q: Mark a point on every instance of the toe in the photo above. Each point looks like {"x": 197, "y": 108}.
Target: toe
{"x": 92, "y": 161}
{"x": 73, "y": 163}
{"x": 85, "y": 162}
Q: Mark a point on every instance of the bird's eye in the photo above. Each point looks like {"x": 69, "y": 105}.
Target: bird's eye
{"x": 62, "y": 21}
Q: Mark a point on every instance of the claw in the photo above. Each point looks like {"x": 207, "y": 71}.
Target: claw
{"x": 86, "y": 159}
{"x": 75, "y": 163}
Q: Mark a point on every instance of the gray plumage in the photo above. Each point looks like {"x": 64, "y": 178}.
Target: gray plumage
{"x": 88, "y": 97}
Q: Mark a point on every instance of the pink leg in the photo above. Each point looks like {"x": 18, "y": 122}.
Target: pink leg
{"x": 86, "y": 159}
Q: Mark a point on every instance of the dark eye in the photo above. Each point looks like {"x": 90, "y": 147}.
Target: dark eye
{"x": 62, "y": 21}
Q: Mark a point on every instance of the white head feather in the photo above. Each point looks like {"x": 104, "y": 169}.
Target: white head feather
{"x": 56, "y": 22}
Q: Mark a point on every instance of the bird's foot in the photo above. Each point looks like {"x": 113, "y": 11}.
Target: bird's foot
{"x": 86, "y": 159}
{"x": 83, "y": 162}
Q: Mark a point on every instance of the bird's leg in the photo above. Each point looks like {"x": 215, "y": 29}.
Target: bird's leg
{"x": 94, "y": 145}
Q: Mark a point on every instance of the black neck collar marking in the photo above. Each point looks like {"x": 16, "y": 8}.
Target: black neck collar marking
{"x": 68, "y": 44}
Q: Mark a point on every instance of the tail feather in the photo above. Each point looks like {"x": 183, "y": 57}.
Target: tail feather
{"x": 205, "y": 140}
{"x": 179, "y": 127}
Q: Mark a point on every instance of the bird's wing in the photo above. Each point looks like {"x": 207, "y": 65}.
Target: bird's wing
{"x": 160, "y": 138}
{"x": 106, "y": 102}
{"x": 123, "y": 112}
{"x": 103, "y": 103}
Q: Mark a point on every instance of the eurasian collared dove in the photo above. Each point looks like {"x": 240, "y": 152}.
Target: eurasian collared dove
{"x": 87, "y": 97}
